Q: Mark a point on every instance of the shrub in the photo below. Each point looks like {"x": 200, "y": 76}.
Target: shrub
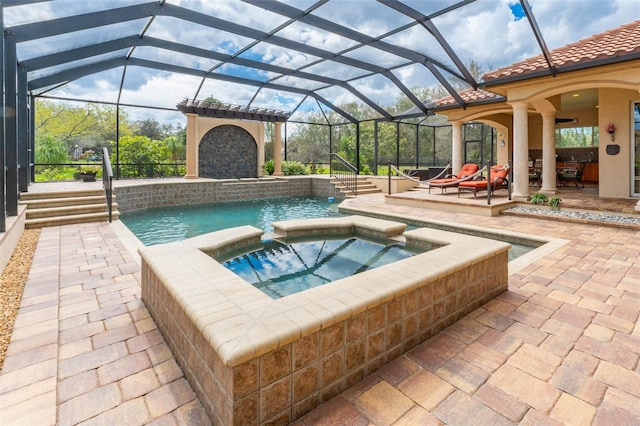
{"x": 139, "y": 156}
{"x": 60, "y": 173}
{"x": 554, "y": 202}
{"x": 294, "y": 168}
{"x": 268, "y": 167}
{"x": 50, "y": 150}
{"x": 539, "y": 198}
{"x": 289, "y": 168}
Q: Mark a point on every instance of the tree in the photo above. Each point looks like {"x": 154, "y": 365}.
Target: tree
{"x": 89, "y": 125}
{"x": 51, "y": 150}
{"x": 150, "y": 128}
{"x": 175, "y": 150}
{"x": 140, "y": 156}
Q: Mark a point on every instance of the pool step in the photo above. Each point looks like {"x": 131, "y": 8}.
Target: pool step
{"x": 66, "y": 207}
{"x": 364, "y": 186}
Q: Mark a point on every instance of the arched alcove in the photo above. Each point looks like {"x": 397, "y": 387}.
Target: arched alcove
{"x": 227, "y": 152}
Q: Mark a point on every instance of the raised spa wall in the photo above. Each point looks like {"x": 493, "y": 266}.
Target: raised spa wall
{"x": 139, "y": 197}
{"x": 255, "y": 360}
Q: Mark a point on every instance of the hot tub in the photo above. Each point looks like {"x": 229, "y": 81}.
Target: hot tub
{"x": 253, "y": 359}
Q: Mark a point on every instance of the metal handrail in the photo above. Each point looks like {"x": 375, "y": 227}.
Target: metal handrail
{"x": 401, "y": 174}
{"x": 345, "y": 172}
{"x": 107, "y": 180}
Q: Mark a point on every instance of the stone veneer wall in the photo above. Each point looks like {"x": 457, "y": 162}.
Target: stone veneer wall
{"x": 193, "y": 192}
{"x": 227, "y": 152}
{"x": 282, "y": 385}
{"x": 285, "y": 384}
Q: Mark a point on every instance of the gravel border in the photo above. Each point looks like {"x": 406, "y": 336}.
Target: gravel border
{"x": 12, "y": 284}
{"x": 631, "y": 221}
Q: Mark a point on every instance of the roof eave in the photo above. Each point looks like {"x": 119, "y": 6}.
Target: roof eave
{"x": 561, "y": 70}
{"x": 469, "y": 105}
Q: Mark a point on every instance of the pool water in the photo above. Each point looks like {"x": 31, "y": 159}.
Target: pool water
{"x": 169, "y": 224}
{"x": 280, "y": 269}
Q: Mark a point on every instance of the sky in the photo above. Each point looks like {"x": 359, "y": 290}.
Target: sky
{"x": 492, "y": 33}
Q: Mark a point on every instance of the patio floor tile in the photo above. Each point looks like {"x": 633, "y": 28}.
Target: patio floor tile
{"x": 561, "y": 346}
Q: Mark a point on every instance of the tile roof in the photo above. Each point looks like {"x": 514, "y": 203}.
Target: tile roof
{"x": 618, "y": 44}
{"x": 469, "y": 96}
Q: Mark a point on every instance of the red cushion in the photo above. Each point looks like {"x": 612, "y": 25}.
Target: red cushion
{"x": 444, "y": 180}
{"x": 478, "y": 184}
{"x": 467, "y": 170}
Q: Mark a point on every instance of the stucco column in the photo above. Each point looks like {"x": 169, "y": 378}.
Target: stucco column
{"x": 456, "y": 146}
{"x": 520, "y": 151}
{"x": 192, "y": 147}
{"x": 277, "y": 150}
{"x": 549, "y": 152}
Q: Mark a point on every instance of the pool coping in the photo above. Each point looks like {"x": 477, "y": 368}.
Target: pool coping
{"x": 546, "y": 246}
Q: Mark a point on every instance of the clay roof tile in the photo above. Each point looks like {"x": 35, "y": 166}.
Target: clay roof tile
{"x": 615, "y": 43}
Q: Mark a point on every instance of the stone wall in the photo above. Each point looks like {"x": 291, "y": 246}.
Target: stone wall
{"x": 254, "y": 360}
{"x": 193, "y": 192}
{"x": 227, "y": 152}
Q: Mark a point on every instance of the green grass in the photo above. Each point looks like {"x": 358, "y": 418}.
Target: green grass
{"x": 63, "y": 173}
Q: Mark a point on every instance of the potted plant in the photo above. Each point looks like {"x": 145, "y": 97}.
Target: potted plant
{"x": 89, "y": 174}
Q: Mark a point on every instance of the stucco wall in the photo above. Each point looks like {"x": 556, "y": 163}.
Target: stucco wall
{"x": 615, "y": 170}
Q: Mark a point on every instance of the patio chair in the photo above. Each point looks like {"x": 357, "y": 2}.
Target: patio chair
{"x": 467, "y": 172}
{"x": 572, "y": 171}
{"x": 535, "y": 173}
{"x": 499, "y": 180}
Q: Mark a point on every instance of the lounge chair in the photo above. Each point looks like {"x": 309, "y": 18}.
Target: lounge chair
{"x": 499, "y": 177}
{"x": 467, "y": 172}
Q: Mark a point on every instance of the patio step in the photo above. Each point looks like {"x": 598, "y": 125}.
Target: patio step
{"x": 70, "y": 200}
{"x": 26, "y": 196}
{"x": 66, "y": 207}
{"x": 364, "y": 186}
{"x": 49, "y": 212}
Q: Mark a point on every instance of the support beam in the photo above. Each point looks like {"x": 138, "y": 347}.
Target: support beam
{"x": 3, "y": 140}
{"x": 10, "y": 134}
{"x": 457, "y": 151}
{"x": 32, "y": 138}
{"x": 549, "y": 177}
{"x": 23, "y": 131}
{"x": 277, "y": 149}
{"x": 192, "y": 147}
{"x": 520, "y": 151}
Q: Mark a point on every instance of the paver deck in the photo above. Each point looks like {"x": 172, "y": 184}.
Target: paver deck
{"x": 562, "y": 346}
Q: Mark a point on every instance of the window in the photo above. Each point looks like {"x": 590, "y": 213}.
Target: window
{"x": 576, "y": 137}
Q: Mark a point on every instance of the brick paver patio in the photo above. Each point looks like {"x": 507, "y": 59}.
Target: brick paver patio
{"x": 562, "y": 346}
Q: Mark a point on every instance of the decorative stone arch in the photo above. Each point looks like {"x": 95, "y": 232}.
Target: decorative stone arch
{"x": 224, "y": 149}
{"x": 227, "y": 152}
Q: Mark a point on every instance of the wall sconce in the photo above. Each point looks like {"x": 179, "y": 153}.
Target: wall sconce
{"x": 611, "y": 129}
{"x": 501, "y": 142}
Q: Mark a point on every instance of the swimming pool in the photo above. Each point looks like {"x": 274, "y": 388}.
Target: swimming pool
{"x": 281, "y": 268}
{"x": 169, "y": 224}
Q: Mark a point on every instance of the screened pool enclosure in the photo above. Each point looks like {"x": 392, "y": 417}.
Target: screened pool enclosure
{"x": 356, "y": 77}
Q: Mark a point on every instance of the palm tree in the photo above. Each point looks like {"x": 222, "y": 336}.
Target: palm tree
{"x": 175, "y": 148}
